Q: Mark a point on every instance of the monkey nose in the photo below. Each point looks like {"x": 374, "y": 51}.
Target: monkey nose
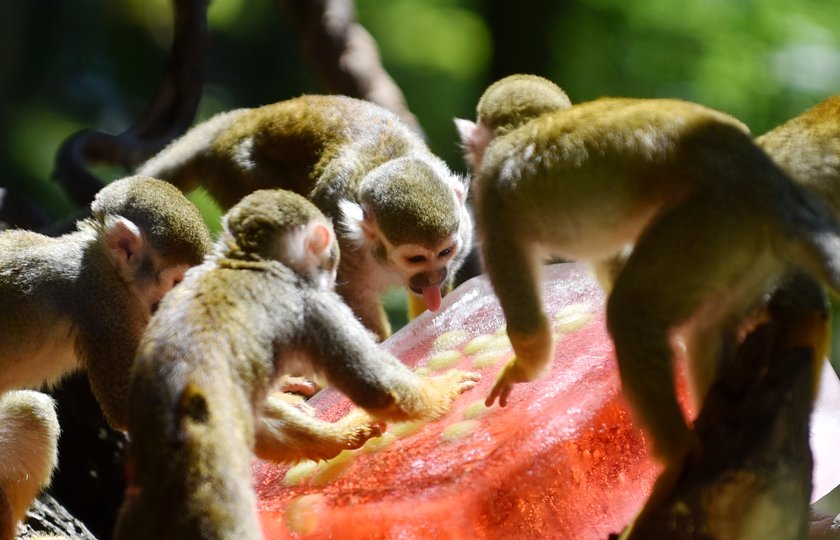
{"x": 432, "y": 297}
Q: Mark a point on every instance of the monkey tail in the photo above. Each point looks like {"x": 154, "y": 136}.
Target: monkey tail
{"x": 171, "y": 162}
{"x": 815, "y": 238}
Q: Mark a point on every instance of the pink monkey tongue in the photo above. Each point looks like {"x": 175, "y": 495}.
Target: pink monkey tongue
{"x": 431, "y": 296}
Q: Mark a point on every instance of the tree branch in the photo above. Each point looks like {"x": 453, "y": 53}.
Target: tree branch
{"x": 345, "y": 55}
{"x": 170, "y": 114}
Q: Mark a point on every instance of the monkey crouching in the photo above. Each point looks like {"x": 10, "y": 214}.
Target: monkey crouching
{"x": 82, "y": 300}
{"x": 200, "y": 402}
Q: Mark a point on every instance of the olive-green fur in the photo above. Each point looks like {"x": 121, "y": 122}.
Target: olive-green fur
{"x": 510, "y": 102}
{"x": 401, "y": 205}
{"x": 808, "y": 148}
{"x": 310, "y": 145}
{"x": 264, "y": 216}
{"x": 172, "y": 224}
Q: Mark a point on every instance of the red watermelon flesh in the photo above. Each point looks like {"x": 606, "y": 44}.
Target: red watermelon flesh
{"x": 561, "y": 460}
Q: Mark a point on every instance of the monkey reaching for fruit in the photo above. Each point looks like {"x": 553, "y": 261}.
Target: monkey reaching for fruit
{"x": 82, "y": 300}
{"x": 400, "y": 214}
{"x": 713, "y": 222}
{"x": 200, "y": 402}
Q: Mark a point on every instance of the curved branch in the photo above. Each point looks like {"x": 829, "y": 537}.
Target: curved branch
{"x": 171, "y": 112}
{"x": 345, "y": 55}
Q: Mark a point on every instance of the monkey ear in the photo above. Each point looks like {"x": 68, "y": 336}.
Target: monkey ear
{"x": 459, "y": 186}
{"x": 467, "y": 131}
{"x": 357, "y": 223}
{"x": 124, "y": 241}
{"x": 369, "y": 226}
{"x": 319, "y": 237}
{"x": 473, "y": 139}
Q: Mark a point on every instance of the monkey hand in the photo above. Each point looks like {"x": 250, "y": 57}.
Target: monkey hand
{"x": 436, "y": 395}
{"x": 533, "y": 354}
{"x": 354, "y": 429}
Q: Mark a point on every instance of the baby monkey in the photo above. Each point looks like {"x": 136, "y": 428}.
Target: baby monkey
{"x": 400, "y": 214}
{"x": 201, "y": 404}
{"x": 82, "y": 300}
{"x": 714, "y": 224}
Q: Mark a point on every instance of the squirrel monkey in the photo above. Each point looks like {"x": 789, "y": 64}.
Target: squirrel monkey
{"x": 82, "y": 300}
{"x": 713, "y": 221}
{"x": 200, "y": 399}
{"x": 400, "y": 214}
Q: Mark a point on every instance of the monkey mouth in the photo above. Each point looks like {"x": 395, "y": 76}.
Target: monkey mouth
{"x": 431, "y": 296}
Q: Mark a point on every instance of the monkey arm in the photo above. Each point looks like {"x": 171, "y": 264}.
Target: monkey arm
{"x": 342, "y": 349}
{"x": 109, "y": 355}
{"x": 517, "y": 269}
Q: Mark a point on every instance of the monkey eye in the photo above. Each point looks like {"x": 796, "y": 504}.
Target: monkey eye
{"x": 446, "y": 252}
{"x": 416, "y": 259}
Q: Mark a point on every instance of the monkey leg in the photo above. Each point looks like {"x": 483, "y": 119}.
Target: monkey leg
{"x": 285, "y": 433}
{"x": 607, "y": 270}
{"x": 28, "y": 452}
{"x": 702, "y": 265}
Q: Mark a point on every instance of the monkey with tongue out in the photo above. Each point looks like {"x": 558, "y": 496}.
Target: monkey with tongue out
{"x": 399, "y": 212}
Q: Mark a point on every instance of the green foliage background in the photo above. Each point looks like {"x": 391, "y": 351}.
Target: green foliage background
{"x": 67, "y": 65}
{"x": 92, "y": 63}
{"x": 95, "y": 63}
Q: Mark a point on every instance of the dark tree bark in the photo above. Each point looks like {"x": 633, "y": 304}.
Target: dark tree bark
{"x": 171, "y": 112}
{"x": 750, "y": 471}
{"x": 345, "y": 55}
{"x": 47, "y": 517}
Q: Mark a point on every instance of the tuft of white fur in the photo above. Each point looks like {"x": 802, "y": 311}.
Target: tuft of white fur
{"x": 350, "y": 221}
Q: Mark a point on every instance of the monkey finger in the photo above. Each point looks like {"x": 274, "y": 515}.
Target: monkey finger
{"x": 467, "y": 380}
{"x": 496, "y": 392}
{"x": 503, "y": 397}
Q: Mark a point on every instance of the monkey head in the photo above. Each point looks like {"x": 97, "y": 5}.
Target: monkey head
{"x": 413, "y": 218}
{"x": 155, "y": 232}
{"x": 275, "y": 224}
{"x": 506, "y": 105}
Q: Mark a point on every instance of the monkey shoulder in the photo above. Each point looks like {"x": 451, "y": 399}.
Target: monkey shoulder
{"x": 39, "y": 266}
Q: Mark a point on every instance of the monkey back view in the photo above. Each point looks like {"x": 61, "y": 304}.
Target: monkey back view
{"x": 714, "y": 224}
{"x": 200, "y": 402}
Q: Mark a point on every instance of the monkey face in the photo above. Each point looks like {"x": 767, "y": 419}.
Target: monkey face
{"x": 425, "y": 269}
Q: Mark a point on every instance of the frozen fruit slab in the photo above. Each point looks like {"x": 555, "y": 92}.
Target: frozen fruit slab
{"x": 561, "y": 460}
